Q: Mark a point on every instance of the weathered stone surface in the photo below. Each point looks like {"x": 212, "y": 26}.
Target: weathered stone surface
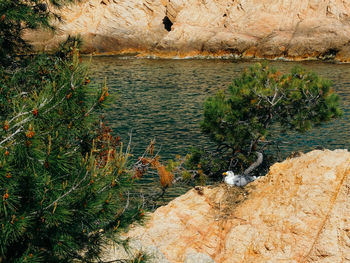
{"x": 294, "y": 29}
{"x": 299, "y": 212}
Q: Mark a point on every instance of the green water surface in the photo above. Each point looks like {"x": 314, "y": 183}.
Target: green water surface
{"x": 163, "y": 99}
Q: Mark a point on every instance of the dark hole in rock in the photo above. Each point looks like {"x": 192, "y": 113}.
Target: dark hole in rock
{"x": 167, "y": 23}
{"x": 331, "y": 52}
{"x": 42, "y": 7}
{"x": 224, "y": 15}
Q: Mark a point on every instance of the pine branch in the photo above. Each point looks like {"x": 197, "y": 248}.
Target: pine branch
{"x": 9, "y": 137}
{"x": 255, "y": 165}
{"x": 73, "y": 188}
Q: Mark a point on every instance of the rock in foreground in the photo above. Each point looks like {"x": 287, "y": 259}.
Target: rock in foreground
{"x": 299, "y": 212}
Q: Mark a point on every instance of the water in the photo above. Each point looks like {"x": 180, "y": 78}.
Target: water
{"x": 163, "y": 99}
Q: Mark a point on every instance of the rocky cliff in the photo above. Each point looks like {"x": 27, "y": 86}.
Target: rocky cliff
{"x": 299, "y": 212}
{"x": 293, "y": 29}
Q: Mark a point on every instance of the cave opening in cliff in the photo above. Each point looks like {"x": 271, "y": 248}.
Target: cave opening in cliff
{"x": 167, "y": 23}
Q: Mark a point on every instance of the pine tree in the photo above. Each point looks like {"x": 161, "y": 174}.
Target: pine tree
{"x": 17, "y": 16}
{"x": 64, "y": 180}
{"x": 240, "y": 119}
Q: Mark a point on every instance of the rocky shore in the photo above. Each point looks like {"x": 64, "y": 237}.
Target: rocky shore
{"x": 299, "y": 212}
{"x": 287, "y": 29}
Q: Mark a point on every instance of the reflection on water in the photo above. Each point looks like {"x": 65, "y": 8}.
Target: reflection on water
{"x": 163, "y": 99}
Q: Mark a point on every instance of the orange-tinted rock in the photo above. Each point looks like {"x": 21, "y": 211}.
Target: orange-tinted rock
{"x": 299, "y": 212}
{"x": 303, "y": 28}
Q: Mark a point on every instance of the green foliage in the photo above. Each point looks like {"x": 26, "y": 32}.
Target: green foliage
{"x": 63, "y": 177}
{"x": 64, "y": 181}
{"x": 17, "y": 16}
{"x": 239, "y": 120}
{"x": 206, "y": 162}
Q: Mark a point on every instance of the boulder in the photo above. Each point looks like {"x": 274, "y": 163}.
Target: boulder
{"x": 298, "y": 212}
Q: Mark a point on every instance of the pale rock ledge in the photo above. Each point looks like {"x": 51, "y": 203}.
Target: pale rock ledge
{"x": 299, "y": 212}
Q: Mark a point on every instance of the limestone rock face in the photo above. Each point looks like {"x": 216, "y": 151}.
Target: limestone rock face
{"x": 294, "y": 29}
{"x": 299, "y": 212}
